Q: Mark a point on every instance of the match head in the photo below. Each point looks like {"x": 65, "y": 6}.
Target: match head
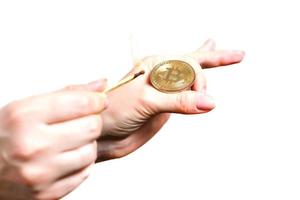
{"x": 139, "y": 73}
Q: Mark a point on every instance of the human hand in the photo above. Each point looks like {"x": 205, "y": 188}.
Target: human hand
{"x": 48, "y": 142}
{"x": 138, "y": 110}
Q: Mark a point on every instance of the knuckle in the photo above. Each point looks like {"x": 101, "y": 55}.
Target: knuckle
{"x": 185, "y": 103}
{"x": 31, "y": 176}
{"x": 181, "y": 103}
{"x": 15, "y": 113}
{"x": 25, "y": 149}
{"x": 22, "y": 153}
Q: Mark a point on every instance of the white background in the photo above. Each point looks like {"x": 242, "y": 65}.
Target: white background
{"x": 247, "y": 148}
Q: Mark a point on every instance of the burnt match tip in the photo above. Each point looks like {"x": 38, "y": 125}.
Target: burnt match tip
{"x": 139, "y": 73}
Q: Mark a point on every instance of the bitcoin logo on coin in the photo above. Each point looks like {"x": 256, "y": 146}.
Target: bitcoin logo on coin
{"x": 172, "y": 76}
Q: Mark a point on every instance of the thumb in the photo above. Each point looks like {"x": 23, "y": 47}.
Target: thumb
{"x": 187, "y": 102}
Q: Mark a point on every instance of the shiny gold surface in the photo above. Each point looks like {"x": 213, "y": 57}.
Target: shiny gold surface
{"x": 172, "y": 76}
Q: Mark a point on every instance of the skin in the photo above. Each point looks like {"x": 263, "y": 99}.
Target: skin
{"x": 144, "y": 110}
{"x": 48, "y": 143}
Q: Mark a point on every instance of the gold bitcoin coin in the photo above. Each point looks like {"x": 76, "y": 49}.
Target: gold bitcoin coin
{"x": 172, "y": 76}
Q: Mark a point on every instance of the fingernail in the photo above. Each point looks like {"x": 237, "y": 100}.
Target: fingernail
{"x": 98, "y": 83}
{"x": 240, "y": 53}
{"x": 237, "y": 56}
{"x": 205, "y": 102}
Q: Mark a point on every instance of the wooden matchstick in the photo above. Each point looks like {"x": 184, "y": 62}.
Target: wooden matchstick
{"x": 123, "y": 81}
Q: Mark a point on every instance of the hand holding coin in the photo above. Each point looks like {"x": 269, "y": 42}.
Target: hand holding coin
{"x": 172, "y": 76}
{"x": 173, "y": 84}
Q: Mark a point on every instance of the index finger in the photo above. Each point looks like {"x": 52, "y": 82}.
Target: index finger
{"x": 208, "y": 57}
{"x": 67, "y": 105}
{"x": 218, "y": 58}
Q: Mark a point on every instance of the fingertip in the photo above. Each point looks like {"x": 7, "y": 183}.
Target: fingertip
{"x": 99, "y": 81}
{"x": 242, "y": 53}
{"x": 97, "y": 85}
{"x": 224, "y": 58}
{"x": 104, "y": 99}
{"x": 205, "y": 102}
{"x": 238, "y": 55}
